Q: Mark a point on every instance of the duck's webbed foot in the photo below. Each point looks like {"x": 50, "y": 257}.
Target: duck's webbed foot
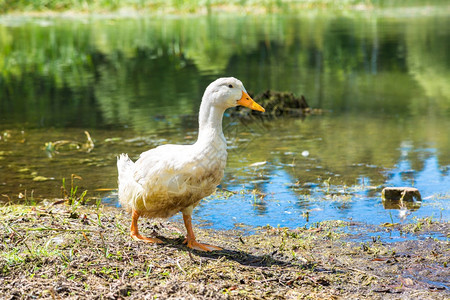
{"x": 134, "y": 232}
{"x": 190, "y": 237}
{"x": 193, "y": 244}
{"x": 138, "y": 237}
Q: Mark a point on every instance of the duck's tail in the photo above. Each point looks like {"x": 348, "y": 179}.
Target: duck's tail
{"x": 126, "y": 182}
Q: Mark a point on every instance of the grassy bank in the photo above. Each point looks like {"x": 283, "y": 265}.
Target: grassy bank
{"x": 59, "y": 250}
{"x": 195, "y": 6}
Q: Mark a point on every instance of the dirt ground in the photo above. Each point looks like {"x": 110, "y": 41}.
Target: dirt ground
{"x": 57, "y": 251}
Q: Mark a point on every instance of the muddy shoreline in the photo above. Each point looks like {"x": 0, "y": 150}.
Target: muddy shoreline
{"x": 57, "y": 251}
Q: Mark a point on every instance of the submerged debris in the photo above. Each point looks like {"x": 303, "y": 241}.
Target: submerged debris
{"x": 55, "y": 147}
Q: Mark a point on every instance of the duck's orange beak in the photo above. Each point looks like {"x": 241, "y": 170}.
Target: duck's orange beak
{"x": 247, "y": 101}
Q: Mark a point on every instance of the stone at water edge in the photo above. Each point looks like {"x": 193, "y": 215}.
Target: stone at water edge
{"x": 401, "y": 193}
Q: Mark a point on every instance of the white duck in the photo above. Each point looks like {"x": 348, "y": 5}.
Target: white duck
{"x": 173, "y": 178}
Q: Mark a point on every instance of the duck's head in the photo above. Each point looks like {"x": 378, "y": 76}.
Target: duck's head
{"x": 229, "y": 92}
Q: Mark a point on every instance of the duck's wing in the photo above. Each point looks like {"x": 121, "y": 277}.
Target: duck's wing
{"x": 163, "y": 159}
{"x": 150, "y": 174}
{"x": 165, "y": 168}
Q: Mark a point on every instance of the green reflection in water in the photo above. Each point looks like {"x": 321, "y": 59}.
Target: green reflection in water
{"x": 96, "y": 73}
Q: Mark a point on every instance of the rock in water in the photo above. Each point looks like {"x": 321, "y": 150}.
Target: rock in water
{"x": 401, "y": 193}
{"x": 278, "y": 104}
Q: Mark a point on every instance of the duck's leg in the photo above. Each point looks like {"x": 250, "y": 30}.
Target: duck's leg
{"x": 190, "y": 237}
{"x": 135, "y": 233}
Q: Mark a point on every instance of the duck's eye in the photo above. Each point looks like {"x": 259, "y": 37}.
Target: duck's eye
{"x": 230, "y": 86}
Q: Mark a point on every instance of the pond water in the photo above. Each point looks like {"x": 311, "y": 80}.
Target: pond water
{"x": 381, "y": 79}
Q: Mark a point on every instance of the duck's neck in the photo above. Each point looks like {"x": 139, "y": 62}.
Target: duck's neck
{"x": 210, "y": 123}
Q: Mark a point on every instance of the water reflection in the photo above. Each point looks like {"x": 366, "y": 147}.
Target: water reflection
{"x": 123, "y": 71}
{"x": 137, "y": 83}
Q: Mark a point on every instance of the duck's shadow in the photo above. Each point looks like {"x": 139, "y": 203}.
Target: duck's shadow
{"x": 238, "y": 256}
